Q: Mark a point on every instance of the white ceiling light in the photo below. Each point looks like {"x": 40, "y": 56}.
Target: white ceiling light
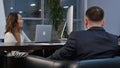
{"x": 33, "y": 4}
{"x": 65, "y": 6}
{"x": 40, "y": 10}
{"x": 11, "y": 8}
{"x": 20, "y": 11}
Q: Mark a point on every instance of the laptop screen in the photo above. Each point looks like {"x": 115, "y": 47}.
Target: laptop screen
{"x": 43, "y": 33}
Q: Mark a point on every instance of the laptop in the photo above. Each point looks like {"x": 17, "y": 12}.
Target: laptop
{"x": 43, "y": 33}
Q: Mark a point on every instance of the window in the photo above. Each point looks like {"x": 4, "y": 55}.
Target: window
{"x": 36, "y": 12}
{"x": 27, "y": 8}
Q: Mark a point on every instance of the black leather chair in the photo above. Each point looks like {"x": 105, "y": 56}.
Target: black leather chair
{"x": 100, "y": 63}
{"x": 38, "y": 62}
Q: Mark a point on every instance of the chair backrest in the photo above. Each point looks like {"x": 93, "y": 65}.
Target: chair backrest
{"x": 38, "y": 62}
{"x": 100, "y": 63}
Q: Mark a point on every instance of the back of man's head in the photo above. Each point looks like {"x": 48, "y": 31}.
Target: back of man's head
{"x": 95, "y": 14}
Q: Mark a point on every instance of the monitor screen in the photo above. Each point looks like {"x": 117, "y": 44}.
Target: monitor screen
{"x": 69, "y": 20}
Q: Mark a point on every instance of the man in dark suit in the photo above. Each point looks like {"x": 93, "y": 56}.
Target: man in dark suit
{"x": 92, "y": 43}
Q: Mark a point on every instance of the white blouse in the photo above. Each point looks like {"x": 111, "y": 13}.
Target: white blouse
{"x": 9, "y": 38}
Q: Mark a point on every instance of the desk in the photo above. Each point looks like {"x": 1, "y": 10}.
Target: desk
{"x": 29, "y": 46}
{"x": 9, "y": 62}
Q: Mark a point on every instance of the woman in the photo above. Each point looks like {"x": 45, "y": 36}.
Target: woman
{"x": 14, "y": 33}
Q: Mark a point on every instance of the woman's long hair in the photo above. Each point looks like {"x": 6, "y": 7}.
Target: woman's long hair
{"x": 11, "y": 22}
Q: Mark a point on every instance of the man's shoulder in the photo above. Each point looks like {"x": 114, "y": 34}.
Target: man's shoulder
{"x": 113, "y": 35}
{"x": 80, "y": 32}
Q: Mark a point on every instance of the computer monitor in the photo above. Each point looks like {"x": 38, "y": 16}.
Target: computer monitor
{"x": 68, "y": 22}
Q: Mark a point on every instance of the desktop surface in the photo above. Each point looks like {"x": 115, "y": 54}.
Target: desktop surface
{"x": 29, "y": 46}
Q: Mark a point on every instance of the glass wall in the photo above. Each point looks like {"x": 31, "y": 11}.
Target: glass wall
{"x": 27, "y": 8}
{"x": 36, "y": 12}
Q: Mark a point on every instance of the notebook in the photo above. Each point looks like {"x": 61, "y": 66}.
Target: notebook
{"x": 43, "y": 33}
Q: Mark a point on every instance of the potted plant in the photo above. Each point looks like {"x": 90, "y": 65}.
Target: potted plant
{"x": 56, "y": 13}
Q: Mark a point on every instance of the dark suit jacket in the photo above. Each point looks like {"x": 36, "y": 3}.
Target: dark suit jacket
{"x": 90, "y": 44}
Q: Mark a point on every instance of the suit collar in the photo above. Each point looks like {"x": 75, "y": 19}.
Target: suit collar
{"x": 97, "y": 29}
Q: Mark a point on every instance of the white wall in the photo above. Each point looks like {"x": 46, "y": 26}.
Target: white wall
{"x": 2, "y": 20}
{"x": 112, "y": 14}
